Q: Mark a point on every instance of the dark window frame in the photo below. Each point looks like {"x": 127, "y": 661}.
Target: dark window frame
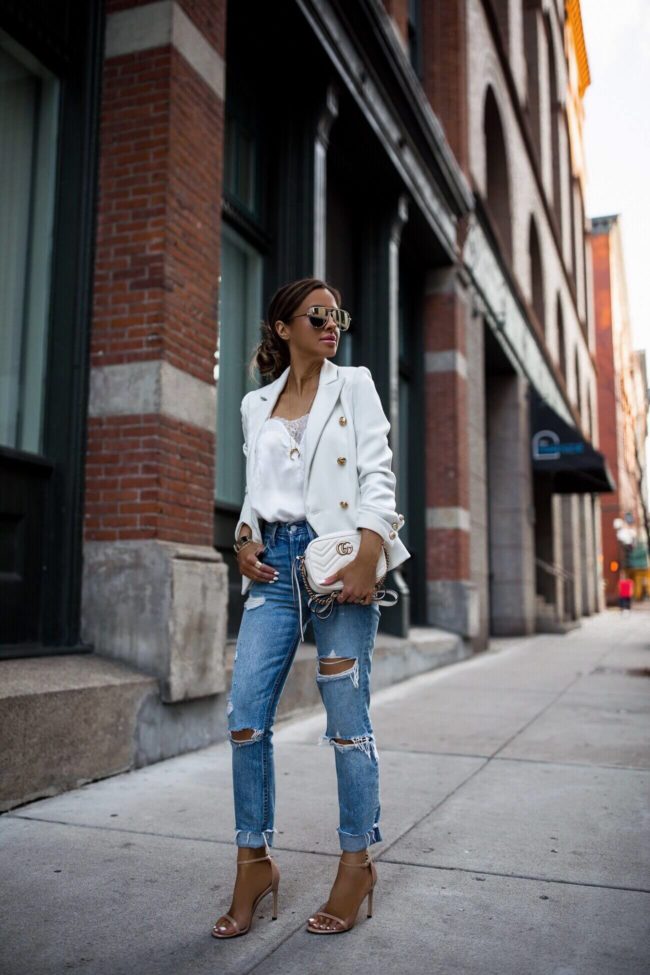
{"x": 71, "y": 45}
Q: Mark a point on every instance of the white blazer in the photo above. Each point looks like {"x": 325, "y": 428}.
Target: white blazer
{"x": 349, "y": 482}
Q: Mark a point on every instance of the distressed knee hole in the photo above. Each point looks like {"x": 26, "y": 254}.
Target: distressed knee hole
{"x": 364, "y": 743}
{"x": 246, "y": 735}
{"x": 335, "y": 665}
{"x": 336, "y": 668}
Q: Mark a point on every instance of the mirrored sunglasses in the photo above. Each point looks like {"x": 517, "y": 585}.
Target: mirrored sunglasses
{"x": 319, "y": 314}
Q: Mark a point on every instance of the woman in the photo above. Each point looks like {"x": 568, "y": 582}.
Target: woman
{"x": 317, "y": 461}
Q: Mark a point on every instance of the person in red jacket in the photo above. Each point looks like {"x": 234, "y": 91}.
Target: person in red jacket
{"x": 625, "y": 588}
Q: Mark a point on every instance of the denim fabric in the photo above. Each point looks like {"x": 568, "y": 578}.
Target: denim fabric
{"x": 266, "y": 644}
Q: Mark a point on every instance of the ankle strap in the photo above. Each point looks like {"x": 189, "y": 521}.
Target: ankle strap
{"x": 364, "y": 863}
{"x": 255, "y": 859}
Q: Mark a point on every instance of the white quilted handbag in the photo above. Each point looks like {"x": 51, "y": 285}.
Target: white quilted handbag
{"x": 328, "y": 553}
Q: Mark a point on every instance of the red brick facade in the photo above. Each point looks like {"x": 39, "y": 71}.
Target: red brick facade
{"x": 149, "y": 477}
{"x": 156, "y": 281}
{"x": 446, "y": 433}
{"x": 445, "y": 70}
{"x": 616, "y": 405}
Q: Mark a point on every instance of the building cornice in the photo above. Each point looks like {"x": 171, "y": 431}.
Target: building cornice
{"x": 365, "y": 29}
{"x": 574, "y": 16}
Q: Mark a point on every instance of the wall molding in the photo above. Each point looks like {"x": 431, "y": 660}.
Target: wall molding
{"x": 451, "y": 517}
{"x": 160, "y": 23}
{"x": 136, "y": 388}
{"x": 449, "y": 360}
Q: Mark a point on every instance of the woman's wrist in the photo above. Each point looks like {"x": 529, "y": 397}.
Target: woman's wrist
{"x": 244, "y": 538}
{"x": 370, "y": 546}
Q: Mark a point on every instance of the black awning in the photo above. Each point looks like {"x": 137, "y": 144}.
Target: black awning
{"x": 561, "y": 452}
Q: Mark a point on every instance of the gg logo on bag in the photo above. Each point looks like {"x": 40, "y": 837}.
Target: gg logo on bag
{"x": 344, "y": 548}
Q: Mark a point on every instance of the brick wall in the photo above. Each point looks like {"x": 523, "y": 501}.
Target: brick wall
{"x": 150, "y": 474}
{"x": 608, "y": 412}
{"x": 486, "y": 69}
{"x": 444, "y": 50}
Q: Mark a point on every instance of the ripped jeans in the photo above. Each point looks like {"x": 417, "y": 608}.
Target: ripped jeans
{"x": 267, "y": 641}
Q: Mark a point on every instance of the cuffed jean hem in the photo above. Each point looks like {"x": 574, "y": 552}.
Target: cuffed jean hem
{"x": 252, "y": 837}
{"x": 353, "y": 843}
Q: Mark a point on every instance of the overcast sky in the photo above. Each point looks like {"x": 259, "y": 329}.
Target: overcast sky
{"x": 617, "y": 136}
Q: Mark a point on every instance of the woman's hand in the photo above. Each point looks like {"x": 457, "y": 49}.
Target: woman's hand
{"x": 359, "y": 574}
{"x": 250, "y": 565}
{"x": 358, "y": 581}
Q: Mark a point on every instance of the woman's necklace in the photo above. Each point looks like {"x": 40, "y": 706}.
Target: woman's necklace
{"x": 293, "y": 427}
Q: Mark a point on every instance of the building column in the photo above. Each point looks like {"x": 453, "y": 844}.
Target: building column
{"x": 321, "y": 143}
{"x": 452, "y": 596}
{"x": 587, "y": 556}
{"x": 599, "y": 572}
{"x": 560, "y": 586}
{"x": 510, "y": 496}
{"x": 155, "y": 589}
{"x": 570, "y": 509}
{"x": 478, "y": 486}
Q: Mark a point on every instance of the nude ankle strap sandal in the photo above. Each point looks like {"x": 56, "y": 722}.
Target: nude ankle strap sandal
{"x": 222, "y": 931}
{"x": 346, "y": 923}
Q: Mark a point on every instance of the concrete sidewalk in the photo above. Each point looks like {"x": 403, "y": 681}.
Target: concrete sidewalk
{"x": 514, "y": 814}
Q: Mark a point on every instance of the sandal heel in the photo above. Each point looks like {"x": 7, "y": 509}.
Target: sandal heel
{"x": 344, "y": 924}
{"x": 236, "y": 930}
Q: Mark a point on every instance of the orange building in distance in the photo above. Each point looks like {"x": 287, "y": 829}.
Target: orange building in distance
{"x": 622, "y": 415}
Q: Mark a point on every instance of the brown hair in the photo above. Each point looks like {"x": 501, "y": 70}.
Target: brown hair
{"x": 271, "y": 355}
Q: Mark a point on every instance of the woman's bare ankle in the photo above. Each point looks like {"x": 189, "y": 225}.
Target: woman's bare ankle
{"x": 250, "y": 852}
{"x": 353, "y": 856}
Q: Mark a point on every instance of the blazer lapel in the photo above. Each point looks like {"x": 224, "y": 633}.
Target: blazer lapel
{"x": 263, "y": 406}
{"x": 329, "y": 385}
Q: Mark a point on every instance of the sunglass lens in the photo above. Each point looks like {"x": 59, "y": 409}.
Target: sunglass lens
{"x": 318, "y": 317}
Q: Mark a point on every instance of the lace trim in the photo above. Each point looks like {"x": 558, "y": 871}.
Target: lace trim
{"x": 296, "y": 427}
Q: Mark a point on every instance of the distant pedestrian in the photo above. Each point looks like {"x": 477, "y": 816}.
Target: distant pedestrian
{"x": 625, "y": 589}
{"x": 333, "y": 416}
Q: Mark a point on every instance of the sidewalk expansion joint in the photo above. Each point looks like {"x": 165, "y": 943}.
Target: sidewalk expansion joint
{"x": 495, "y": 757}
{"x": 515, "y": 876}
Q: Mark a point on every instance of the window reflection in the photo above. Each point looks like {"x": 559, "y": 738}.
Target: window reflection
{"x": 28, "y": 135}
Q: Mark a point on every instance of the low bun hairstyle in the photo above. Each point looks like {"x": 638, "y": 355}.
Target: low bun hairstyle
{"x": 271, "y": 356}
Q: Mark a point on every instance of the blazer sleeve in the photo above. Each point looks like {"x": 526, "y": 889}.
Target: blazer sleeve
{"x": 377, "y": 506}
{"x": 245, "y": 515}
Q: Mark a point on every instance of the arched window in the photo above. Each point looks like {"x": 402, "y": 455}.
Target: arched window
{"x": 497, "y": 179}
{"x": 590, "y": 415}
{"x": 578, "y": 390}
{"x": 536, "y": 275}
{"x": 531, "y": 47}
{"x": 572, "y": 224}
{"x": 561, "y": 341}
{"x": 503, "y": 19}
{"x": 581, "y": 255}
{"x": 554, "y": 123}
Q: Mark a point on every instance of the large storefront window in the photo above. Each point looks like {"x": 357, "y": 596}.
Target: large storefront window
{"x": 29, "y": 97}
{"x": 240, "y": 310}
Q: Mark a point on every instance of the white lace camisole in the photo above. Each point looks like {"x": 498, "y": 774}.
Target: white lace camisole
{"x": 276, "y": 491}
